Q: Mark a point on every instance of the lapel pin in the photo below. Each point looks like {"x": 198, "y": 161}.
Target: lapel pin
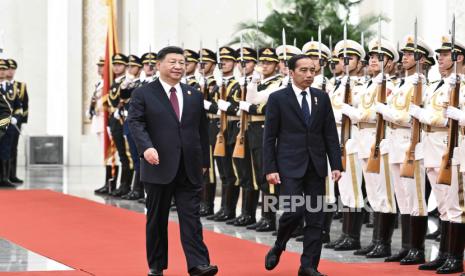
{"x": 316, "y": 100}
{"x": 189, "y": 92}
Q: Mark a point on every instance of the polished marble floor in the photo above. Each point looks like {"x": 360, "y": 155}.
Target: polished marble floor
{"x": 81, "y": 181}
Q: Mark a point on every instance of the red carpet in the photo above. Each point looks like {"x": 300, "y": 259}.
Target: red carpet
{"x": 97, "y": 239}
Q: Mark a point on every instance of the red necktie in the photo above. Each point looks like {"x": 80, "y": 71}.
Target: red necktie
{"x": 174, "y": 101}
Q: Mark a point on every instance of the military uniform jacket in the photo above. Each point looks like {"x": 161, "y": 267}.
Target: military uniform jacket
{"x": 114, "y": 95}
{"x": 13, "y": 100}
{"x": 21, "y": 89}
{"x": 318, "y": 83}
{"x": 5, "y": 115}
{"x": 192, "y": 81}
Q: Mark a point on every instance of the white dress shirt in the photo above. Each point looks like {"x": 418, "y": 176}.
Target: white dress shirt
{"x": 167, "y": 88}
{"x": 299, "y": 96}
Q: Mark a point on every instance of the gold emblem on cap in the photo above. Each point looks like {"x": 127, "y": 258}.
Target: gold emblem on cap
{"x": 225, "y": 51}
{"x": 117, "y": 56}
{"x": 445, "y": 39}
{"x": 204, "y": 52}
{"x": 410, "y": 39}
{"x": 267, "y": 52}
{"x": 187, "y": 53}
{"x": 151, "y": 56}
{"x": 313, "y": 45}
{"x": 245, "y": 51}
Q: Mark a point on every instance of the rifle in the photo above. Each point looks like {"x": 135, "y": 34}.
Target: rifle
{"x": 204, "y": 89}
{"x": 321, "y": 61}
{"x": 374, "y": 162}
{"x": 239, "y": 148}
{"x": 345, "y": 121}
{"x": 220, "y": 145}
{"x": 445, "y": 170}
{"x": 407, "y": 169}
{"x": 93, "y": 103}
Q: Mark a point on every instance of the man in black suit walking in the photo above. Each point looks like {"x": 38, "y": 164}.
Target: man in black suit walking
{"x": 170, "y": 129}
{"x": 300, "y": 136}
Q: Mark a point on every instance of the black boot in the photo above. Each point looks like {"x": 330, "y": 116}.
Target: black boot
{"x": 251, "y": 204}
{"x": 108, "y": 179}
{"x": 137, "y": 191}
{"x": 456, "y": 244}
{"x": 352, "y": 241}
{"x": 405, "y": 232}
{"x": 233, "y": 221}
{"x": 436, "y": 234}
{"x": 418, "y": 228}
{"x": 125, "y": 186}
{"x": 443, "y": 249}
{"x": 262, "y": 218}
{"x": 5, "y": 174}
{"x": 387, "y": 223}
{"x": 231, "y": 197}
{"x": 345, "y": 231}
{"x": 327, "y": 227}
{"x": 13, "y": 167}
{"x": 208, "y": 199}
{"x": 374, "y": 239}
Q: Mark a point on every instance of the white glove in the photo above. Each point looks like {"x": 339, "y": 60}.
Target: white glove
{"x": 207, "y": 104}
{"x": 415, "y": 111}
{"x": 116, "y": 115}
{"x": 285, "y": 81}
{"x": 125, "y": 113}
{"x": 202, "y": 82}
{"x": 455, "y": 114}
{"x": 415, "y": 78}
{"x": 241, "y": 81}
{"x": 223, "y": 105}
{"x": 183, "y": 80}
{"x": 14, "y": 121}
{"x": 344, "y": 81}
{"x": 378, "y": 79}
{"x": 219, "y": 82}
{"x": 350, "y": 112}
{"x": 452, "y": 79}
{"x": 381, "y": 108}
{"x": 244, "y": 106}
{"x": 256, "y": 76}
{"x": 238, "y": 113}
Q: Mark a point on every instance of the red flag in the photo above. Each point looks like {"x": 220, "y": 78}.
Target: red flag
{"x": 111, "y": 47}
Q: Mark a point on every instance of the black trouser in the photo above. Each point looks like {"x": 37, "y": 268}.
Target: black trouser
{"x": 187, "y": 196}
{"x": 14, "y": 142}
{"x": 117, "y": 134}
{"x": 313, "y": 187}
{"x": 209, "y": 184}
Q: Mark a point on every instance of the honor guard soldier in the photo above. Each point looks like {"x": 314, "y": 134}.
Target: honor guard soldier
{"x": 336, "y": 66}
{"x": 96, "y": 113}
{"x": 207, "y": 85}
{"x": 345, "y": 99}
{"x": 409, "y": 191}
{"x": 435, "y": 145}
{"x": 247, "y": 60}
{"x": 115, "y": 122}
{"x": 5, "y": 118}
{"x": 283, "y": 58}
{"x": 192, "y": 59}
{"x": 313, "y": 50}
{"x": 228, "y": 105}
{"x": 21, "y": 90}
{"x": 130, "y": 83}
{"x": 255, "y": 105}
{"x": 6, "y": 143}
{"x": 149, "y": 61}
{"x": 374, "y": 149}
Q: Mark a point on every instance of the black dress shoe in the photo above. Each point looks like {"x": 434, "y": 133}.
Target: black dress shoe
{"x": 414, "y": 257}
{"x": 142, "y": 200}
{"x": 247, "y": 220}
{"x": 348, "y": 244}
{"x": 255, "y": 225}
{"x": 206, "y": 211}
{"x": 365, "y": 250}
{"x": 16, "y": 180}
{"x": 101, "y": 191}
{"x": 380, "y": 251}
{"x": 331, "y": 245}
{"x": 398, "y": 256}
{"x": 203, "y": 270}
{"x": 233, "y": 220}
{"x": 272, "y": 258}
{"x": 309, "y": 272}
{"x": 267, "y": 226}
{"x": 217, "y": 214}
{"x": 225, "y": 217}
{"x": 154, "y": 272}
{"x": 453, "y": 264}
{"x": 133, "y": 195}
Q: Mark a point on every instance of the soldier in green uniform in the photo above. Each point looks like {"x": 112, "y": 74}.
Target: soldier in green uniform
{"x": 192, "y": 60}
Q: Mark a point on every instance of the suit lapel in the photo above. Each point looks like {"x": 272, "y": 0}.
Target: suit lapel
{"x": 314, "y": 100}
{"x": 185, "y": 101}
{"x": 165, "y": 101}
{"x": 294, "y": 103}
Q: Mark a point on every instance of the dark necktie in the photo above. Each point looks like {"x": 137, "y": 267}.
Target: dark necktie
{"x": 439, "y": 84}
{"x": 305, "y": 108}
{"x": 174, "y": 101}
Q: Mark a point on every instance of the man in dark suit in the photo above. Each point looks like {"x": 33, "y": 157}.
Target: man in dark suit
{"x": 300, "y": 136}
{"x": 170, "y": 129}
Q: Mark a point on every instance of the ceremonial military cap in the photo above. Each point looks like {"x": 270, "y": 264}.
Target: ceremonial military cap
{"x": 101, "y": 61}
{"x": 267, "y": 54}
{"x": 430, "y": 61}
{"x": 149, "y": 58}
{"x": 227, "y": 53}
{"x": 120, "y": 59}
{"x": 386, "y": 48}
{"x": 409, "y": 45}
{"x": 311, "y": 49}
{"x": 290, "y": 51}
{"x": 248, "y": 53}
{"x": 207, "y": 55}
{"x": 3, "y": 64}
{"x": 352, "y": 48}
{"x": 191, "y": 56}
{"x": 446, "y": 45}
{"x": 334, "y": 57}
{"x": 12, "y": 63}
{"x": 134, "y": 61}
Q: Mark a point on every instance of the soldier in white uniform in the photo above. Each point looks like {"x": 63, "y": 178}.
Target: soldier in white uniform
{"x": 351, "y": 180}
{"x": 435, "y": 139}
{"x": 311, "y": 49}
{"x": 409, "y": 192}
